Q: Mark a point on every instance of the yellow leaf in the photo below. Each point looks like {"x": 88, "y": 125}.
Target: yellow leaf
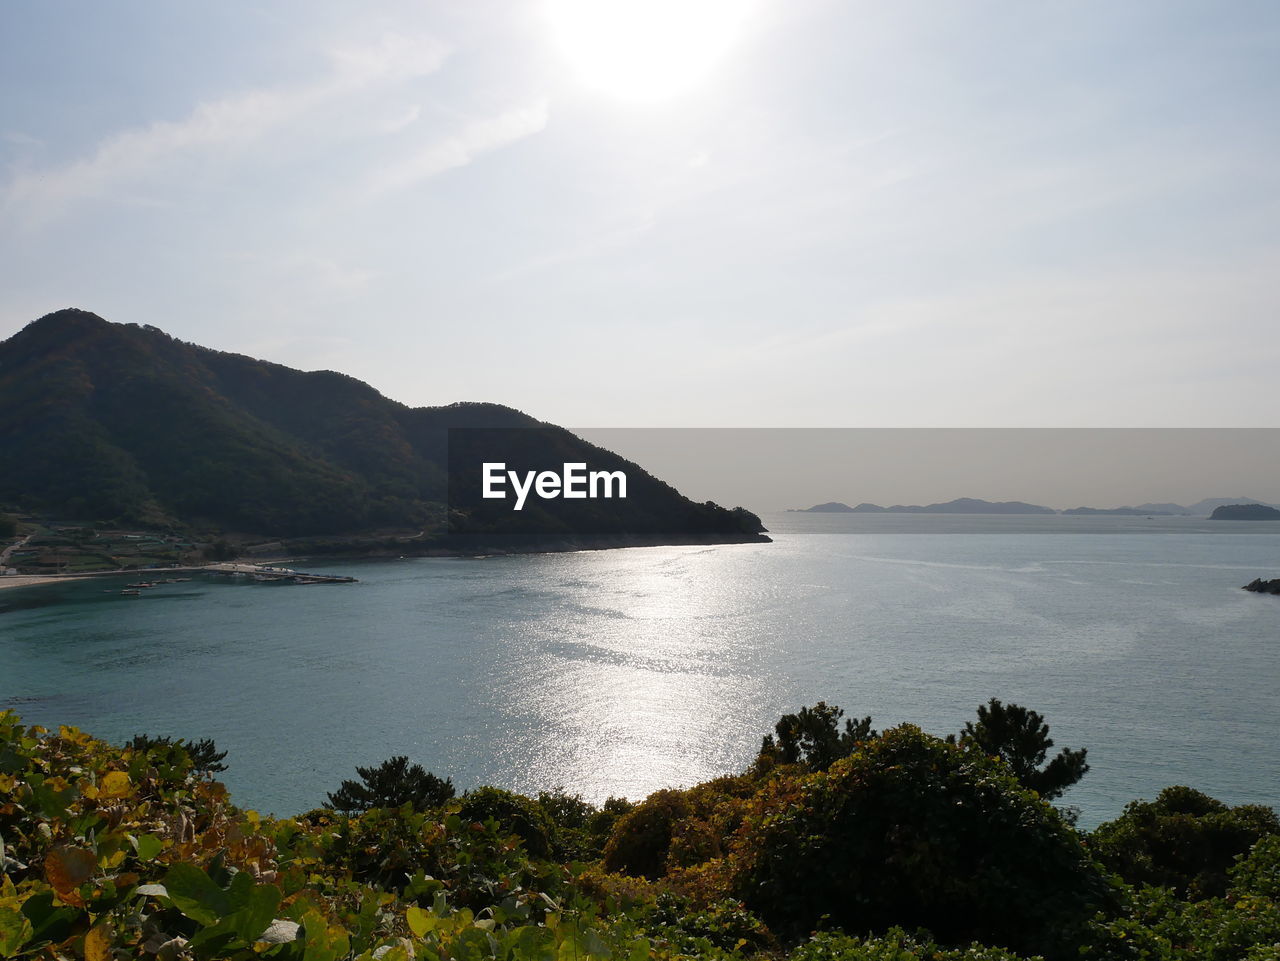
{"x": 97, "y": 944}
{"x": 114, "y": 785}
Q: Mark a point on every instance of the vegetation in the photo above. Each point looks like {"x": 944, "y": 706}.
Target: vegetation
{"x": 1183, "y": 840}
{"x": 813, "y": 738}
{"x": 392, "y": 784}
{"x": 204, "y": 754}
{"x": 906, "y": 847}
{"x": 1020, "y": 738}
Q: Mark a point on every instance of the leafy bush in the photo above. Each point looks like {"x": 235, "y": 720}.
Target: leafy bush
{"x": 1258, "y": 872}
{"x": 1159, "y": 926}
{"x": 516, "y": 814}
{"x": 894, "y": 945}
{"x": 674, "y": 829}
{"x": 1184, "y": 840}
{"x": 391, "y": 784}
{"x": 641, "y": 838}
{"x": 913, "y": 831}
{"x": 204, "y": 754}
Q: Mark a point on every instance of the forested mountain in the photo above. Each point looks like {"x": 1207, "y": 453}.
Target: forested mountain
{"x": 123, "y": 422}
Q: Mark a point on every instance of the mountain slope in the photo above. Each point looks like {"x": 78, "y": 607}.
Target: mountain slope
{"x": 112, "y": 421}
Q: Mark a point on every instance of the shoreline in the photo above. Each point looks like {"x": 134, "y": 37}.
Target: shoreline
{"x": 35, "y": 580}
{"x": 492, "y": 549}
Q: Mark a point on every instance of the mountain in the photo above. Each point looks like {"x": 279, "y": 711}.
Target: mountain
{"x": 105, "y": 421}
{"x": 831, "y": 507}
{"x": 961, "y": 505}
{"x": 1121, "y": 511}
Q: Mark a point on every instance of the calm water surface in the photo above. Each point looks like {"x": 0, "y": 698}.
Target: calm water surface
{"x": 621, "y": 672}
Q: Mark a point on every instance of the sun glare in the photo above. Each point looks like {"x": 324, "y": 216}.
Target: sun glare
{"x": 645, "y": 50}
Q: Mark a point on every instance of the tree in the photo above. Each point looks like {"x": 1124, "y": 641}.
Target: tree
{"x": 391, "y": 784}
{"x": 1184, "y": 840}
{"x": 1020, "y": 738}
{"x": 812, "y": 737}
{"x": 912, "y": 831}
{"x": 204, "y": 754}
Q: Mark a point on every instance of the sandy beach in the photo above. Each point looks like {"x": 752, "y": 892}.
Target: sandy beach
{"x": 30, "y": 580}
{"x": 224, "y": 567}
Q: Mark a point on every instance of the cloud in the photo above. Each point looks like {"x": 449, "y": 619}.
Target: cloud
{"x": 37, "y": 196}
{"x": 476, "y": 139}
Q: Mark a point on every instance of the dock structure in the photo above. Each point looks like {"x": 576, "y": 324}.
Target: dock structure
{"x": 279, "y": 575}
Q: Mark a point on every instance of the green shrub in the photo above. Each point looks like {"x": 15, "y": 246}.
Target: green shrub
{"x": 1184, "y": 840}
{"x": 894, "y": 945}
{"x": 915, "y": 832}
{"x": 515, "y": 813}
{"x": 677, "y": 829}
{"x": 1258, "y": 872}
{"x": 641, "y": 838}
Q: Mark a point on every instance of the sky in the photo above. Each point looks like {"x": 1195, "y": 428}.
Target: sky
{"x": 775, "y": 469}
{"x": 659, "y": 213}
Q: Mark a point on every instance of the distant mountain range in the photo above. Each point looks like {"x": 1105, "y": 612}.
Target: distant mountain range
{"x": 123, "y": 423}
{"x": 971, "y": 505}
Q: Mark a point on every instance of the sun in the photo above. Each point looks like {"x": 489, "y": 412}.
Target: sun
{"x": 645, "y": 50}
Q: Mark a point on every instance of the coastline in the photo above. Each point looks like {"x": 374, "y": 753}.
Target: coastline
{"x": 35, "y": 580}
{"x": 485, "y": 546}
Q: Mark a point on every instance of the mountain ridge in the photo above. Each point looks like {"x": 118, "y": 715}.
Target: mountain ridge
{"x": 110, "y": 420}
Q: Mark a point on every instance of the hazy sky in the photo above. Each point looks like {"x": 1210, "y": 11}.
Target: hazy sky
{"x": 656, "y": 213}
{"x": 770, "y": 469}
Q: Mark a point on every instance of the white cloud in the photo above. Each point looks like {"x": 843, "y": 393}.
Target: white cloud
{"x": 36, "y": 196}
{"x": 478, "y": 138}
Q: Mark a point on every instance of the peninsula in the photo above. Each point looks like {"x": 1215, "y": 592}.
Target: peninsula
{"x": 123, "y": 427}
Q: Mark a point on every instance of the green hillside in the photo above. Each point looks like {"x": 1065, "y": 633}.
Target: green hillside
{"x": 119, "y": 422}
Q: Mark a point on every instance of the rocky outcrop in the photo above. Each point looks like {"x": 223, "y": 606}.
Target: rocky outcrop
{"x": 1259, "y": 586}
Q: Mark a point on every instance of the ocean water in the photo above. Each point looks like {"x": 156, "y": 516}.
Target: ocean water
{"x": 621, "y": 672}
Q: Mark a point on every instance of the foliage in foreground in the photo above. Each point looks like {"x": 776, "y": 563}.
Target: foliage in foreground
{"x": 123, "y": 852}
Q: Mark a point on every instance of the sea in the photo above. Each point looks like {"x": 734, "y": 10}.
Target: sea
{"x": 616, "y": 673}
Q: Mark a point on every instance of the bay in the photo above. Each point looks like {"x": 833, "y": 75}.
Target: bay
{"x": 621, "y": 672}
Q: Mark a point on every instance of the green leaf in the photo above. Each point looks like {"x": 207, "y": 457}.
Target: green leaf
{"x": 195, "y": 895}
{"x": 321, "y": 943}
{"x": 51, "y": 923}
{"x": 595, "y": 944}
{"x": 148, "y": 846}
{"x": 15, "y": 931}
{"x": 419, "y": 921}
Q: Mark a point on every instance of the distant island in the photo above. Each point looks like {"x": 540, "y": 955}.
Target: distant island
{"x": 1118, "y": 511}
{"x": 961, "y": 505}
{"x": 1245, "y": 512}
{"x": 123, "y": 427}
{"x": 1222, "y": 508}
